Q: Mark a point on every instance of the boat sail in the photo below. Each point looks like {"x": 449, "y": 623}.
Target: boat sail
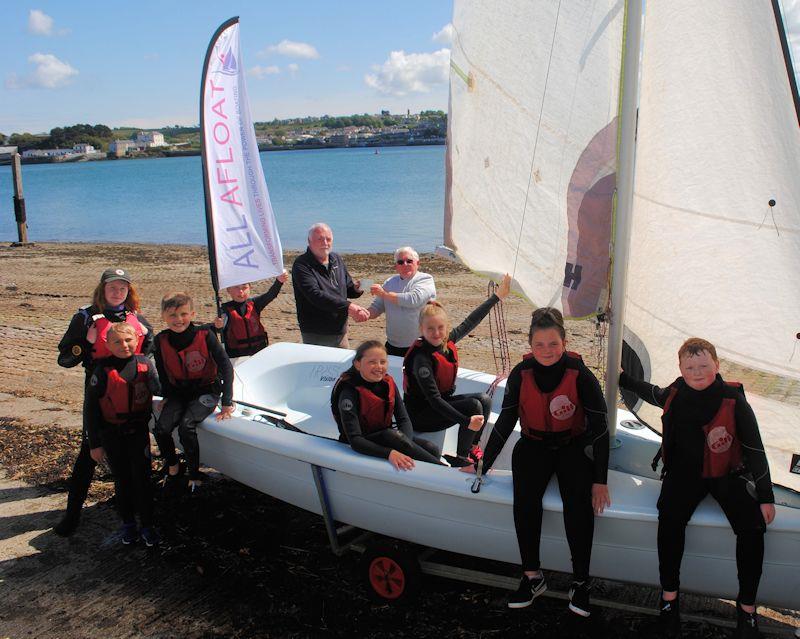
{"x": 715, "y": 220}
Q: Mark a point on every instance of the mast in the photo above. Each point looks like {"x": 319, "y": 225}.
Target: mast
{"x": 787, "y": 56}
{"x": 627, "y": 158}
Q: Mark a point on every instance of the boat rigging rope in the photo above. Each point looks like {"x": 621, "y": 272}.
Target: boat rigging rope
{"x": 536, "y": 141}
{"x": 499, "y": 336}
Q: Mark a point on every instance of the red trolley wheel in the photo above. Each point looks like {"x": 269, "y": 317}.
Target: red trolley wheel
{"x": 391, "y": 573}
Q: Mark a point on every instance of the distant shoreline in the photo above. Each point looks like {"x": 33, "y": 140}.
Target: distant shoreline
{"x": 196, "y": 152}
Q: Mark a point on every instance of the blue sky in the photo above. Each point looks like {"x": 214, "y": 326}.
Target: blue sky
{"x": 139, "y": 63}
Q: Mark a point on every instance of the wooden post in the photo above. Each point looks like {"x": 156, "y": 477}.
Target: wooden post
{"x": 19, "y": 201}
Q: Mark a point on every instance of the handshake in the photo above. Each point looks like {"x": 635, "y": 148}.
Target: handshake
{"x": 358, "y": 313}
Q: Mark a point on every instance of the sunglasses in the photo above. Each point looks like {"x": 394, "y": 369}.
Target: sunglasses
{"x": 406, "y": 261}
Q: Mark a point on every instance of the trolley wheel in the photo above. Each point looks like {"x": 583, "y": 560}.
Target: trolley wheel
{"x": 391, "y": 573}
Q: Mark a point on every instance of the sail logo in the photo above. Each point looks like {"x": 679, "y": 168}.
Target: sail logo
{"x": 719, "y": 440}
{"x": 561, "y": 407}
{"x": 795, "y": 467}
{"x": 228, "y": 62}
{"x": 194, "y": 362}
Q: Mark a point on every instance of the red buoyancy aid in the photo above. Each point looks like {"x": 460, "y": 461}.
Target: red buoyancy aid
{"x": 559, "y": 411}
{"x": 102, "y": 324}
{"x": 445, "y": 366}
{"x": 374, "y": 412}
{"x": 722, "y": 452}
{"x": 244, "y": 335}
{"x": 126, "y": 401}
{"x": 193, "y": 363}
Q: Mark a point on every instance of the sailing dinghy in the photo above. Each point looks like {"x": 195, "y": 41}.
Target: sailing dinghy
{"x": 540, "y": 182}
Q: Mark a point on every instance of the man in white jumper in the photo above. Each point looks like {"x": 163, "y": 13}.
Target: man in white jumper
{"x": 402, "y": 297}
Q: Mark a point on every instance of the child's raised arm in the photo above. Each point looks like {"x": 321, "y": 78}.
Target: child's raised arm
{"x": 649, "y": 393}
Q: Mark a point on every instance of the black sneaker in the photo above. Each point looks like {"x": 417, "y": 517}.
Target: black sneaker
{"x": 130, "y": 534}
{"x": 150, "y": 536}
{"x": 669, "y": 617}
{"x": 456, "y": 461}
{"x": 579, "y": 598}
{"x": 529, "y": 589}
{"x": 746, "y": 624}
{"x": 67, "y": 525}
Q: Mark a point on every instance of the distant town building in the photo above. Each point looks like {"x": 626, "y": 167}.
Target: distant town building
{"x": 338, "y": 140}
{"x": 78, "y": 149}
{"x": 118, "y": 148}
{"x": 148, "y": 139}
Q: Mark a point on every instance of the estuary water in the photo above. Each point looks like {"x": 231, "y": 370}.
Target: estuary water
{"x": 373, "y": 202}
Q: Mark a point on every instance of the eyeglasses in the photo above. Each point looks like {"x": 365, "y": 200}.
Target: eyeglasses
{"x": 405, "y": 261}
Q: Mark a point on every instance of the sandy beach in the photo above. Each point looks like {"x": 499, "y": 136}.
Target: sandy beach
{"x": 235, "y": 563}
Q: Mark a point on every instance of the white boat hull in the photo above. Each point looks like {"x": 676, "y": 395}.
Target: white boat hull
{"x": 433, "y": 505}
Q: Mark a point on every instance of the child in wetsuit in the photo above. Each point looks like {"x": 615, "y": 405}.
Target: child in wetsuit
{"x": 365, "y": 401}
{"x": 711, "y": 444}
{"x": 117, "y": 409}
{"x": 240, "y": 322}
{"x": 562, "y": 416}
{"x": 429, "y": 378}
{"x": 115, "y": 299}
{"x": 195, "y": 373}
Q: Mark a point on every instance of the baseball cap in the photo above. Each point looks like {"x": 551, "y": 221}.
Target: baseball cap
{"x": 111, "y": 274}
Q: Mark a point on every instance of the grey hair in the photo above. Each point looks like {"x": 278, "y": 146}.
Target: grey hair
{"x": 408, "y": 250}
{"x": 317, "y": 226}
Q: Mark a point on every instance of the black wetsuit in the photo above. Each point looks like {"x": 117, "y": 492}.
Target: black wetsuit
{"x": 399, "y": 437}
{"x": 127, "y": 445}
{"x": 430, "y": 411}
{"x": 259, "y": 303}
{"x": 534, "y": 462}
{"x": 74, "y": 349}
{"x": 684, "y": 486}
{"x": 189, "y": 402}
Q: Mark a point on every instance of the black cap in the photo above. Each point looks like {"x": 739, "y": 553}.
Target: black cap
{"x": 111, "y": 274}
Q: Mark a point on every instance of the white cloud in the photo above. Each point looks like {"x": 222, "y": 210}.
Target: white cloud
{"x": 445, "y": 35}
{"x": 403, "y": 73}
{"x": 262, "y": 72}
{"x": 50, "y": 73}
{"x": 151, "y": 57}
{"x": 39, "y": 23}
{"x": 292, "y": 49}
{"x": 292, "y": 67}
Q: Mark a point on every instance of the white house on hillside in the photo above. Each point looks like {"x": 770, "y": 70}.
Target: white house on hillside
{"x": 149, "y": 139}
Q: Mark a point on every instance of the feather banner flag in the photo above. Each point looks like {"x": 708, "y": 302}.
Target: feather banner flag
{"x": 243, "y": 241}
